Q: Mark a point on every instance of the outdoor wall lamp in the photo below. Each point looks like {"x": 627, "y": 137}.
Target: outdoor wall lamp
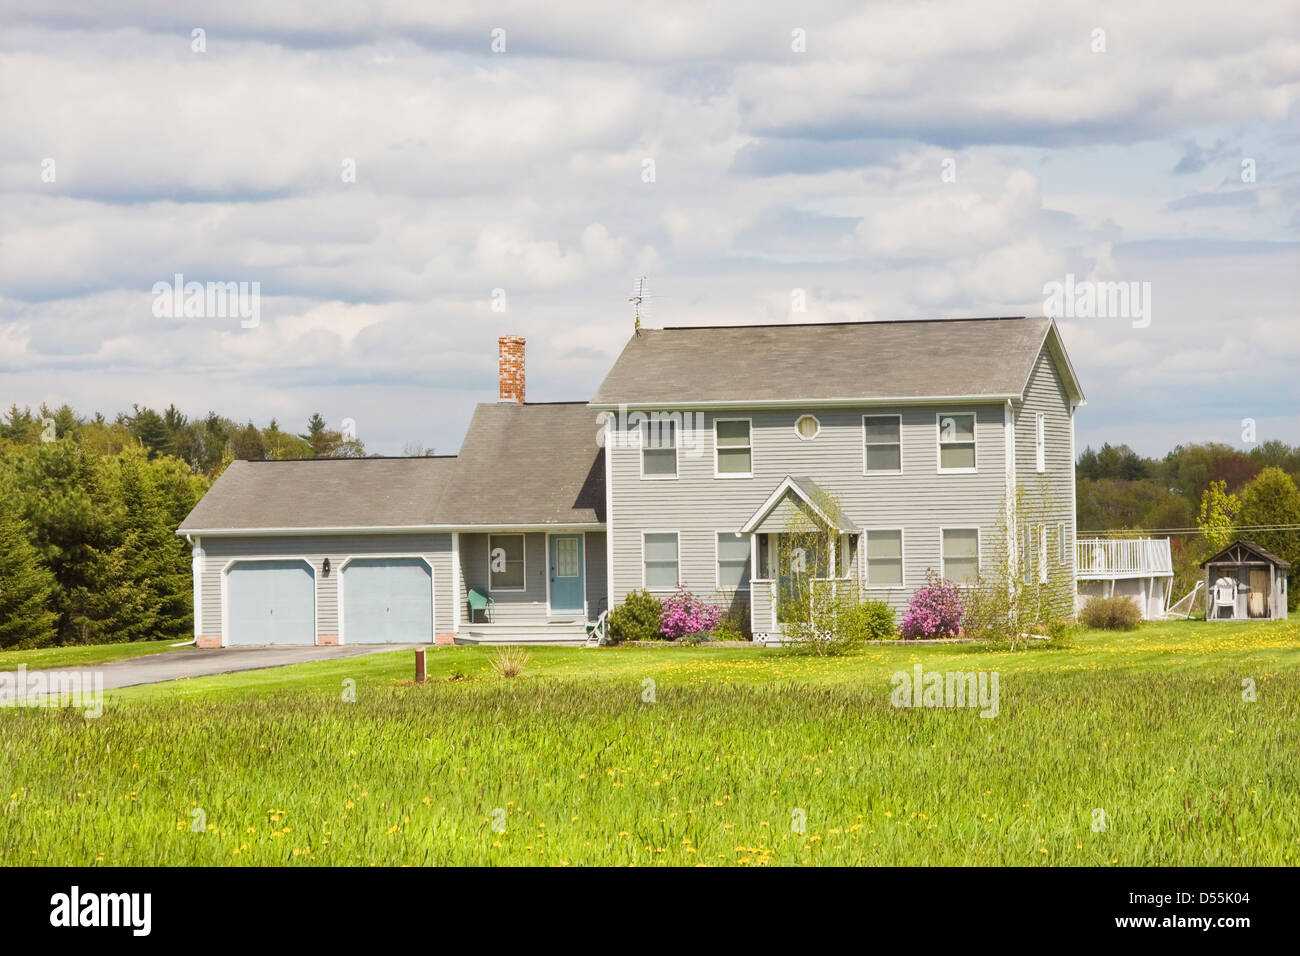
{"x": 325, "y": 567}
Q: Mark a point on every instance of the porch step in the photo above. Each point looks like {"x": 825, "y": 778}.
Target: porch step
{"x": 571, "y": 633}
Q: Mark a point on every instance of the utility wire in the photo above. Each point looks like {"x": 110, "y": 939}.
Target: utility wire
{"x": 1233, "y": 530}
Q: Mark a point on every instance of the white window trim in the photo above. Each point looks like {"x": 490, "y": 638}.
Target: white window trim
{"x": 1026, "y": 546}
{"x": 882, "y": 471}
{"x": 736, "y": 474}
{"x": 864, "y": 561}
{"x": 582, "y": 563}
{"x": 198, "y": 557}
{"x": 413, "y": 555}
{"x": 1042, "y": 554}
{"x": 641, "y": 450}
{"x": 506, "y": 534}
{"x": 1060, "y": 542}
{"x": 672, "y": 531}
{"x": 717, "y": 559}
{"x": 938, "y": 444}
{"x": 979, "y": 553}
{"x": 814, "y": 434}
{"x": 1040, "y": 442}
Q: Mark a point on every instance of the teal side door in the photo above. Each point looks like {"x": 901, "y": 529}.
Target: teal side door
{"x": 567, "y": 573}
{"x": 270, "y": 602}
{"x": 387, "y": 601}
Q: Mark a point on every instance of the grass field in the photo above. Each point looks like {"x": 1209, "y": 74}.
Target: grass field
{"x": 744, "y": 757}
{"x": 80, "y": 656}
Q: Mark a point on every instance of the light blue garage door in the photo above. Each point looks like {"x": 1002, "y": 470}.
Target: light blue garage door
{"x": 387, "y": 600}
{"x": 271, "y": 602}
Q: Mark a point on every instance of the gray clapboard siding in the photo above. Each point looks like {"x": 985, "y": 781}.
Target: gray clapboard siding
{"x": 697, "y": 505}
{"x": 1050, "y": 494}
{"x": 218, "y": 552}
{"x": 528, "y": 606}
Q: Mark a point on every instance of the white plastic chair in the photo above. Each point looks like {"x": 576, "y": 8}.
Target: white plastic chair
{"x": 1225, "y": 595}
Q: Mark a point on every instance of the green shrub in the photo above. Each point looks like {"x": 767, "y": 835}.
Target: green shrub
{"x": 734, "y": 625}
{"x": 696, "y": 637}
{"x": 1111, "y": 614}
{"x": 868, "y": 621}
{"x": 636, "y": 619}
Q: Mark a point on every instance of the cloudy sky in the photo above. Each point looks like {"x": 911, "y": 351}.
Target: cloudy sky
{"x": 898, "y": 160}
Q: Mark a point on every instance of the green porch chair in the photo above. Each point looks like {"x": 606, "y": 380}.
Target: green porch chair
{"x": 479, "y": 601}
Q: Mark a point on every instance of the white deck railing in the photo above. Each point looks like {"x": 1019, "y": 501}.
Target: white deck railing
{"x": 1113, "y": 557}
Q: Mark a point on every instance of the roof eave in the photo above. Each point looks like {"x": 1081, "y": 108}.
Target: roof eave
{"x": 731, "y": 404}
{"x": 394, "y": 529}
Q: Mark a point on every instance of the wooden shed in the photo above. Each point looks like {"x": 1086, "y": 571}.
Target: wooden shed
{"x": 1243, "y": 582}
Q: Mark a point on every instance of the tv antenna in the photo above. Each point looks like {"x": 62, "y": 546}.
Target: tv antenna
{"x": 639, "y": 301}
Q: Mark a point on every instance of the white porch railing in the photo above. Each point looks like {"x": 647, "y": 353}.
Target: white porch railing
{"x": 762, "y": 600}
{"x": 1115, "y": 557}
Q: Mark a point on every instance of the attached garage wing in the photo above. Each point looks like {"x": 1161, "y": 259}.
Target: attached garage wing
{"x": 270, "y": 602}
{"x": 387, "y": 601}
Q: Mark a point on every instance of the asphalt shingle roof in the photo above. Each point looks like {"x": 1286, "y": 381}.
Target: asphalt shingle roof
{"x": 825, "y": 362}
{"x": 519, "y": 465}
{"x": 528, "y": 465}
{"x": 322, "y": 493}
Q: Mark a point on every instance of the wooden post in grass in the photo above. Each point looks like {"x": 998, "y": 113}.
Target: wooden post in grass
{"x": 420, "y": 673}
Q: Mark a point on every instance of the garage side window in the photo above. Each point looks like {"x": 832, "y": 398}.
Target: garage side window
{"x": 505, "y": 562}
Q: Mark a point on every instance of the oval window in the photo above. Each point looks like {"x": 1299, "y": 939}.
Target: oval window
{"x": 807, "y": 427}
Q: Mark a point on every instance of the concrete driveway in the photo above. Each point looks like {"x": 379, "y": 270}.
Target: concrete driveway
{"x": 204, "y": 662}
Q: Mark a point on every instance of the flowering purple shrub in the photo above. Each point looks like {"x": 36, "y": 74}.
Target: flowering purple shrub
{"x": 936, "y": 610}
{"x": 684, "y": 613}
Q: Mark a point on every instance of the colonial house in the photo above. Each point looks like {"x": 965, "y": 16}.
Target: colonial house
{"x": 906, "y": 445}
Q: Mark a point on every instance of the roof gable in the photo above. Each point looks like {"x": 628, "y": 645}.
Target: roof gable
{"x": 812, "y": 498}
{"x": 1242, "y": 549}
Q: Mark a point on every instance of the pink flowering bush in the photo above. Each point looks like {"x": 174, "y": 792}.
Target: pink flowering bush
{"x": 936, "y": 610}
{"x": 684, "y": 613}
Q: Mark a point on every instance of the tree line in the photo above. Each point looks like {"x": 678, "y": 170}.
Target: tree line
{"x": 1200, "y": 496}
{"x": 89, "y": 509}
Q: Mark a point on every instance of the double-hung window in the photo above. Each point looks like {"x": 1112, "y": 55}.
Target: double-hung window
{"x": 731, "y": 440}
{"x": 506, "y": 562}
{"x": 956, "y": 442}
{"x": 884, "y": 559}
{"x": 882, "y": 444}
{"x": 659, "y": 448}
{"x": 1040, "y": 442}
{"x": 961, "y": 555}
{"x": 733, "y": 562}
{"x": 659, "y": 554}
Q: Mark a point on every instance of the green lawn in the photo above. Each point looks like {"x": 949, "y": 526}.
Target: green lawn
{"x": 570, "y": 765}
{"x": 80, "y": 656}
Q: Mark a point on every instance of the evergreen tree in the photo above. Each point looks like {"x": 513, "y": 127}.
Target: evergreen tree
{"x": 27, "y": 618}
{"x": 318, "y": 436}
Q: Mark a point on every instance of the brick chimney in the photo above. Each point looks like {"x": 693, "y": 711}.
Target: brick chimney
{"x": 510, "y": 367}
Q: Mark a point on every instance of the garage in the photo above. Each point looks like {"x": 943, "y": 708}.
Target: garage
{"x": 387, "y": 601}
{"x": 271, "y": 602}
